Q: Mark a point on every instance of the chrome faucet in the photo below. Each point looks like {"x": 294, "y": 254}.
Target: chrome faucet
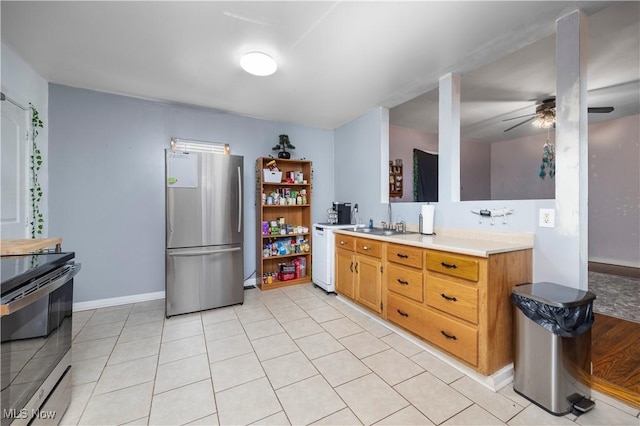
{"x": 401, "y": 226}
{"x": 390, "y": 218}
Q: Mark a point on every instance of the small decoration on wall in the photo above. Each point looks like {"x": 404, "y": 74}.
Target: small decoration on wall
{"x": 492, "y": 213}
{"x": 548, "y": 165}
{"x": 282, "y": 146}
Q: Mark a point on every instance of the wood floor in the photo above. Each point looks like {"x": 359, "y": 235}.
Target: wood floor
{"x": 615, "y": 354}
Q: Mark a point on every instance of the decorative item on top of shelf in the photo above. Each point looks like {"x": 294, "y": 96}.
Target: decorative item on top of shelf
{"x": 282, "y": 146}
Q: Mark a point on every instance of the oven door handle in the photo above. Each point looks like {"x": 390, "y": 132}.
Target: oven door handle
{"x": 24, "y": 301}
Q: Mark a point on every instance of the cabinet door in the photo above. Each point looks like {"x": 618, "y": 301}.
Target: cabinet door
{"x": 369, "y": 282}
{"x": 345, "y": 273}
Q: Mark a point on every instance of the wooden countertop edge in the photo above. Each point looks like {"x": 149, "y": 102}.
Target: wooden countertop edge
{"x": 26, "y": 246}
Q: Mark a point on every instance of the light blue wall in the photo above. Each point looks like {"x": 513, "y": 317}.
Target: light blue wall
{"x": 358, "y": 158}
{"x": 106, "y": 168}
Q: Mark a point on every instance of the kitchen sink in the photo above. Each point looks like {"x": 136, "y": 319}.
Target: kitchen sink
{"x": 383, "y": 232}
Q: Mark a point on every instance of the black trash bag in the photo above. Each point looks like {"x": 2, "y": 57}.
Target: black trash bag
{"x": 565, "y": 322}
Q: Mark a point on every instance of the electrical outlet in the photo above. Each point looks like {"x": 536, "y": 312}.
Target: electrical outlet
{"x": 547, "y": 218}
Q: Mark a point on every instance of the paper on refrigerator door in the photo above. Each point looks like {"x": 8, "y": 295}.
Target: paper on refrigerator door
{"x": 182, "y": 170}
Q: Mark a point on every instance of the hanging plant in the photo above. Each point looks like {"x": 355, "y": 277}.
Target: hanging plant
{"x": 548, "y": 165}
{"x": 37, "y": 218}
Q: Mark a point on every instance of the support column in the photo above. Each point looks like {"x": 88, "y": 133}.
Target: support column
{"x": 449, "y": 139}
{"x": 572, "y": 144}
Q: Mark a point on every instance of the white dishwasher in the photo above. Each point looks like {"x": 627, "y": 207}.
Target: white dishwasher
{"x": 323, "y": 255}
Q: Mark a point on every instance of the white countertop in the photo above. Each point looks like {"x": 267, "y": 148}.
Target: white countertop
{"x": 474, "y": 246}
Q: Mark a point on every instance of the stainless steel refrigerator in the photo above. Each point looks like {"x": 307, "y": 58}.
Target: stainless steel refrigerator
{"x": 204, "y": 231}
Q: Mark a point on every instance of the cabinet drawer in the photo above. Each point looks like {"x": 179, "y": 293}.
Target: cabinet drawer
{"x": 405, "y": 255}
{"x": 369, "y": 247}
{"x": 345, "y": 242}
{"x": 453, "y": 298}
{"x": 405, "y": 281}
{"x": 406, "y": 315}
{"x": 459, "y": 339}
{"x": 450, "y": 264}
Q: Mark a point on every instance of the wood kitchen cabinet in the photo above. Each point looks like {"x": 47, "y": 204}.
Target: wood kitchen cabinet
{"x": 359, "y": 271}
{"x": 465, "y": 308}
{"x": 457, "y": 302}
{"x": 345, "y": 277}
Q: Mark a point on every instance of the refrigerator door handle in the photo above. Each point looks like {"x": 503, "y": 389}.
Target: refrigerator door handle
{"x": 204, "y": 252}
{"x": 239, "y": 199}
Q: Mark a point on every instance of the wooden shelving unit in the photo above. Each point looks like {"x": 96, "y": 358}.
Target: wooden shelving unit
{"x": 293, "y": 246}
{"x": 396, "y": 183}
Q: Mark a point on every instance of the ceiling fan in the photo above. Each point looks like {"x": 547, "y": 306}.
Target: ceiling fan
{"x": 545, "y": 115}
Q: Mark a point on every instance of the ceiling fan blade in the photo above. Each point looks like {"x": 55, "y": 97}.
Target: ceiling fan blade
{"x": 520, "y": 116}
{"x": 600, "y": 109}
{"x": 521, "y": 123}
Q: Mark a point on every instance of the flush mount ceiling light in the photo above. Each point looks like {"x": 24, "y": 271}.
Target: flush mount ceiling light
{"x": 258, "y": 63}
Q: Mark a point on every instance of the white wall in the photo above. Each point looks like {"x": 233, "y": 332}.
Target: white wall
{"x": 515, "y": 165}
{"x": 361, "y": 183}
{"x": 614, "y": 184}
{"x": 107, "y": 180}
{"x": 475, "y": 170}
{"x": 614, "y": 191}
{"x": 20, "y": 83}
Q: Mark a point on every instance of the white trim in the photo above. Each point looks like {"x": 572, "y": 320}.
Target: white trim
{"x": 250, "y": 282}
{"x": 115, "y": 301}
{"x": 495, "y": 382}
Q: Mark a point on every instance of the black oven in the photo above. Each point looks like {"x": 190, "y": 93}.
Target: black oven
{"x": 36, "y": 308}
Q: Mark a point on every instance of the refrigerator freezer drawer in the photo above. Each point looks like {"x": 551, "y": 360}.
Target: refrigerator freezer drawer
{"x": 200, "y": 278}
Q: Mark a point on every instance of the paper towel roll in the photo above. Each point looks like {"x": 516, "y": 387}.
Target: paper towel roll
{"x": 427, "y": 212}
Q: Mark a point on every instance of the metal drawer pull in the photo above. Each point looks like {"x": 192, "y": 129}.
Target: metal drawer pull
{"x": 357, "y": 268}
{"x": 404, "y": 256}
{"x": 351, "y": 266}
{"x": 403, "y": 282}
{"x": 447, "y": 265}
{"x": 366, "y": 248}
{"x": 453, "y": 299}
{"x": 448, "y": 336}
{"x": 404, "y": 314}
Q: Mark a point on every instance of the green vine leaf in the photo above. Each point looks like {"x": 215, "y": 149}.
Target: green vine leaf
{"x": 36, "y": 161}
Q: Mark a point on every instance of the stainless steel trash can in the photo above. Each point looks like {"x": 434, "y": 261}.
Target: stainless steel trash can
{"x": 552, "y": 339}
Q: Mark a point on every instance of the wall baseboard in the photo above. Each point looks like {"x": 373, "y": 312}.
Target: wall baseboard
{"x": 608, "y": 268}
{"x": 135, "y": 298}
{"x": 116, "y": 301}
{"x": 614, "y": 262}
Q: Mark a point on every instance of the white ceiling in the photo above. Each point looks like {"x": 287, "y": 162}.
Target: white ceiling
{"x": 337, "y": 60}
{"x": 513, "y": 85}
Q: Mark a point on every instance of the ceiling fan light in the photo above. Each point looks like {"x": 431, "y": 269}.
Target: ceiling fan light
{"x": 537, "y": 122}
{"x": 258, "y": 63}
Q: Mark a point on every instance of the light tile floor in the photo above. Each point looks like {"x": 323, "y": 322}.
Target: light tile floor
{"x": 288, "y": 356}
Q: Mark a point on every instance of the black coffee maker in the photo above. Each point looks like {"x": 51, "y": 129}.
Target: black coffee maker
{"x": 344, "y": 212}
